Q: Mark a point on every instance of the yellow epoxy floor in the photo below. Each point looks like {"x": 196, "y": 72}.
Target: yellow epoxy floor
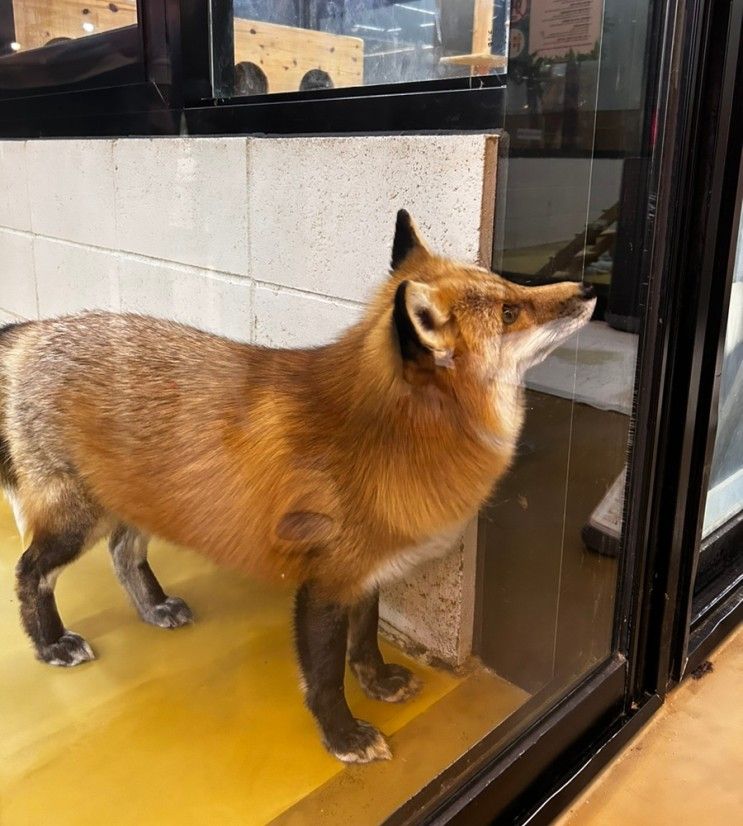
{"x": 686, "y": 767}
{"x": 203, "y": 724}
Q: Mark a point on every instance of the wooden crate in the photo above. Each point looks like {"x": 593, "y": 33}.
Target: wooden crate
{"x": 286, "y": 54}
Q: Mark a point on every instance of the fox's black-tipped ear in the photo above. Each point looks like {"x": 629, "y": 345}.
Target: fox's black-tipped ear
{"x": 406, "y": 240}
{"x": 420, "y": 325}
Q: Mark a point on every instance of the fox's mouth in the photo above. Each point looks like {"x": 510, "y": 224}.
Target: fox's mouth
{"x": 579, "y": 310}
{"x": 585, "y": 309}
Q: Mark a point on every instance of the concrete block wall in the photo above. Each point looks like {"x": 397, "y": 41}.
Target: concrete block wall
{"x": 275, "y": 241}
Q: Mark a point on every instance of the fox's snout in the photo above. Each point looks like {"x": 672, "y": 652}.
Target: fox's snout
{"x": 563, "y": 300}
{"x": 584, "y": 301}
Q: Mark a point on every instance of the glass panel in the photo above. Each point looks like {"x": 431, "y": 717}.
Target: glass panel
{"x": 40, "y": 23}
{"x": 725, "y": 496}
{"x": 324, "y": 44}
{"x": 552, "y": 534}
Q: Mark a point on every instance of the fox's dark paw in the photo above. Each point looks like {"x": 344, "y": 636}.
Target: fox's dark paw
{"x": 173, "y": 613}
{"x": 360, "y": 744}
{"x": 391, "y": 683}
{"x": 70, "y": 649}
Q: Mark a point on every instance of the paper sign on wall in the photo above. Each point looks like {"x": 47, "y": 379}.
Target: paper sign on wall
{"x": 557, "y": 27}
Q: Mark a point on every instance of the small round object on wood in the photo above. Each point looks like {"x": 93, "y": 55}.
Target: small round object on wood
{"x": 316, "y": 79}
{"x": 250, "y": 79}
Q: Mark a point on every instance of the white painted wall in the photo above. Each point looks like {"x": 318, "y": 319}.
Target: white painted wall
{"x": 275, "y": 241}
{"x": 271, "y": 240}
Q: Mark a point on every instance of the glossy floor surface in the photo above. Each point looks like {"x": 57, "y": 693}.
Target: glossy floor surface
{"x": 686, "y": 766}
{"x": 203, "y": 724}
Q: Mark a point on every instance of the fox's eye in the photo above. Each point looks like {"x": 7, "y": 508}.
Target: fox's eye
{"x": 510, "y": 313}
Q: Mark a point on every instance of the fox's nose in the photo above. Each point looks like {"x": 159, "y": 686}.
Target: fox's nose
{"x": 587, "y": 291}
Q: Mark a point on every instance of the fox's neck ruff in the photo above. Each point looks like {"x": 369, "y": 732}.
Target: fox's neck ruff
{"x": 362, "y": 372}
{"x": 425, "y": 455}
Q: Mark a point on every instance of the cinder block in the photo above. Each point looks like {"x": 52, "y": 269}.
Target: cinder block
{"x": 288, "y": 319}
{"x": 70, "y": 278}
{"x": 215, "y": 303}
{"x": 14, "y": 211}
{"x": 183, "y": 200}
{"x": 17, "y": 281}
{"x": 71, "y": 190}
{"x": 434, "y": 606}
{"x": 322, "y": 210}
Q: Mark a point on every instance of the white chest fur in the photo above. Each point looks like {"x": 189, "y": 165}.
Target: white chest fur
{"x": 398, "y": 565}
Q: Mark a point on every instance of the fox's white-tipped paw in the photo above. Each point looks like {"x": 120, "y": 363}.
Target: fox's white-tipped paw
{"x": 70, "y": 649}
{"x": 361, "y": 744}
{"x": 173, "y": 613}
{"x": 391, "y": 683}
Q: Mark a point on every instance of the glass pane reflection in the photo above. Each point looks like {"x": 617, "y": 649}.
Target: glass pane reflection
{"x": 47, "y": 22}
{"x": 325, "y": 44}
{"x": 725, "y": 496}
{"x": 551, "y": 537}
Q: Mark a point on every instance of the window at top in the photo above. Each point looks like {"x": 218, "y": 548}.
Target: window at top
{"x": 290, "y": 46}
{"x": 32, "y": 24}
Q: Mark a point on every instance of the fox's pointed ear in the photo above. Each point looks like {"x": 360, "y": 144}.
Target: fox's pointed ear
{"x": 421, "y": 325}
{"x": 406, "y": 240}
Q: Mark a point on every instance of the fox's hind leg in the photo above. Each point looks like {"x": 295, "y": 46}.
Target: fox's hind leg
{"x": 379, "y": 680}
{"x": 129, "y": 552}
{"x": 36, "y": 573}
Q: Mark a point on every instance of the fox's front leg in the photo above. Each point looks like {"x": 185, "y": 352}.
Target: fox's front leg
{"x": 379, "y": 680}
{"x": 128, "y": 548}
{"x": 321, "y": 629}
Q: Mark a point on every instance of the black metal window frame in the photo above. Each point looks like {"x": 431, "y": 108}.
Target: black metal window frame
{"x": 69, "y": 89}
{"x": 175, "y": 72}
{"x": 710, "y": 576}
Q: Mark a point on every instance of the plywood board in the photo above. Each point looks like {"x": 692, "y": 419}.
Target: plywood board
{"x": 286, "y": 54}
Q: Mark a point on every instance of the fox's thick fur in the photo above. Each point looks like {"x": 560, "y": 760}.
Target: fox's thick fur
{"x": 335, "y": 467}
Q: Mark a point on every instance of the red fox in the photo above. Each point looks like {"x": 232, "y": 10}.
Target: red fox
{"x": 337, "y": 467}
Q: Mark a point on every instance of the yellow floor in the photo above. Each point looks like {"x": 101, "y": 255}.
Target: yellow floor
{"x": 203, "y": 724}
{"x": 686, "y": 767}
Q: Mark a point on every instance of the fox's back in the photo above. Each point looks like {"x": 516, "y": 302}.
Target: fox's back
{"x": 126, "y": 379}
{"x": 151, "y": 415}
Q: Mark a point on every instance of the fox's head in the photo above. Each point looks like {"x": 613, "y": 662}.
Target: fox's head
{"x": 451, "y": 318}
